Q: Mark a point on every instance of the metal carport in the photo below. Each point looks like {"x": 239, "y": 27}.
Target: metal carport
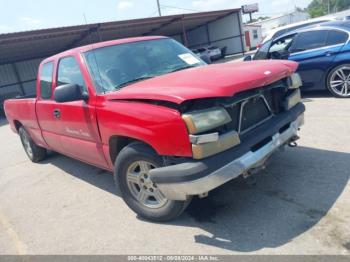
{"x": 20, "y": 53}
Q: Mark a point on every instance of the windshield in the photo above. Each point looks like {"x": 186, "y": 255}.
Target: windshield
{"x": 114, "y": 67}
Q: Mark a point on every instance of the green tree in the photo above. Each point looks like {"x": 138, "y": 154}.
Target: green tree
{"x": 321, "y": 7}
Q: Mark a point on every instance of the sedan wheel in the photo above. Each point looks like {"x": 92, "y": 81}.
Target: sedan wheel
{"x": 339, "y": 81}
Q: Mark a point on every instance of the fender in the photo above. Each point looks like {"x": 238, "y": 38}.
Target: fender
{"x": 158, "y": 126}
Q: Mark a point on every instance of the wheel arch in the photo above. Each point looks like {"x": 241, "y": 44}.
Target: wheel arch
{"x": 17, "y": 124}
{"x": 118, "y": 142}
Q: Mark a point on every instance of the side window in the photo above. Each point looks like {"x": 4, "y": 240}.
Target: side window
{"x": 46, "y": 80}
{"x": 262, "y": 51}
{"x": 255, "y": 34}
{"x": 282, "y": 45}
{"x": 310, "y": 40}
{"x": 336, "y": 37}
{"x": 69, "y": 73}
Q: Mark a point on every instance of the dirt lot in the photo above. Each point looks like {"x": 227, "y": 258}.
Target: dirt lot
{"x": 299, "y": 205}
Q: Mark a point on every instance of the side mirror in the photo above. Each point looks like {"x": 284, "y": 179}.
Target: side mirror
{"x": 247, "y": 58}
{"x": 205, "y": 58}
{"x": 69, "y": 93}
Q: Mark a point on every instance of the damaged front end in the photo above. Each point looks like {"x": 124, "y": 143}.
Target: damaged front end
{"x": 232, "y": 137}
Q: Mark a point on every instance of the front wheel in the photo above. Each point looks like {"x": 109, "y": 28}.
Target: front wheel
{"x": 34, "y": 152}
{"x": 131, "y": 175}
{"x": 338, "y": 81}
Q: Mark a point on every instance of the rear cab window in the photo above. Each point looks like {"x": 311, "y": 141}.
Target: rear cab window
{"x": 46, "y": 80}
{"x": 69, "y": 73}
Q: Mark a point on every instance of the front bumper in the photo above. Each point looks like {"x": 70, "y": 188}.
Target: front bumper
{"x": 179, "y": 181}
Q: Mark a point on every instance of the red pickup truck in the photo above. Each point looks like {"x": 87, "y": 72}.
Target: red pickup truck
{"x": 167, "y": 124}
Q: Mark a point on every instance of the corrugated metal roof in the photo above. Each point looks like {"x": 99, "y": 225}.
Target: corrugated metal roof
{"x": 42, "y": 43}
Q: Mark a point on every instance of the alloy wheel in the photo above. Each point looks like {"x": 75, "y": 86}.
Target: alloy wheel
{"x": 141, "y": 186}
{"x": 340, "y": 81}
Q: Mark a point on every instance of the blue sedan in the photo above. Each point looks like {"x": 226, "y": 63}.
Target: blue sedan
{"x": 323, "y": 54}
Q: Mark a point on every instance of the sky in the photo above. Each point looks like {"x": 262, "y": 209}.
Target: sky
{"x": 24, "y": 15}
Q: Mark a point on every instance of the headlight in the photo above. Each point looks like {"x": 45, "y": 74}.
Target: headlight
{"x": 295, "y": 81}
{"x": 292, "y": 99}
{"x": 203, "y": 120}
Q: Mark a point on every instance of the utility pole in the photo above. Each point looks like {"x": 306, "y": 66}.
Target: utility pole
{"x": 159, "y": 11}
{"x": 328, "y": 6}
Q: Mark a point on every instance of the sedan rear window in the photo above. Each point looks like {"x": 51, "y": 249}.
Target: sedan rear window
{"x": 336, "y": 37}
{"x": 310, "y": 40}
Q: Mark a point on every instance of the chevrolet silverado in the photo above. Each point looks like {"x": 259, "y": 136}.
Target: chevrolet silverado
{"x": 167, "y": 125}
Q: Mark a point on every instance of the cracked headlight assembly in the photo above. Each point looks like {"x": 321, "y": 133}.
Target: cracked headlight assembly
{"x": 204, "y": 120}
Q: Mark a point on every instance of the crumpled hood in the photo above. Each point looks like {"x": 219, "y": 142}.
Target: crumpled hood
{"x": 218, "y": 80}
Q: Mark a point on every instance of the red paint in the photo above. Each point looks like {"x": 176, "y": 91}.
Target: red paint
{"x": 85, "y": 129}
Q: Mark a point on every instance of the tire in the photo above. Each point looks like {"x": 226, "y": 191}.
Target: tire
{"x": 34, "y": 152}
{"x": 338, "y": 81}
{"x": 131, "y": 177}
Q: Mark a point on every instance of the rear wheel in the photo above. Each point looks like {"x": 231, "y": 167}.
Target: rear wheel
{"x": 338, "y": 81}
{"x": 34, "y": 152}
{"x": 131, "y": 175}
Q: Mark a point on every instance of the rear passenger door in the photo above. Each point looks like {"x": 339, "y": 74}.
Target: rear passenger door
{"x": 77, "y": 123}
{"x": 45, "y": 107}
{"x": 315, "y": 51}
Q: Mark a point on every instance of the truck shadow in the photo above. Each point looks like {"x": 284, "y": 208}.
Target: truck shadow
{"x": 271, "y": 208}
{"x": 316, "y": 94}
{"x": 90, "y": 174}
{"x": 268, "y": 210}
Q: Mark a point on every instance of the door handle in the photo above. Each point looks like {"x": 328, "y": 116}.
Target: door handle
{"x": 56, "y": 113}
{"x": 329, "y": 53}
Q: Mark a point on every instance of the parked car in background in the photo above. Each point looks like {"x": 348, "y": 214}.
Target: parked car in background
{"x": 150, "y": 111}
{"x": 323, "y": 54}
{"x": 275, "y": 33}
{"x": 213, "y": 52}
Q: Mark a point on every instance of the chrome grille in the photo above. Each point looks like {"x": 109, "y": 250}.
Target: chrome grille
{"x": 253, "y": 112}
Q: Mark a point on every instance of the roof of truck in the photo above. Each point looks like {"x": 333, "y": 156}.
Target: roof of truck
{"x": 85, "y": 48}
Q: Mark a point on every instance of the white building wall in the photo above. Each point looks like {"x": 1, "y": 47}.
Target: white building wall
{"x": 272, "y": 23}
{"x": 255, "y": 36}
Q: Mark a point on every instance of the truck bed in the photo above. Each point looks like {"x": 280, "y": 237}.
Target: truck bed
{"x": 21, "y": 110}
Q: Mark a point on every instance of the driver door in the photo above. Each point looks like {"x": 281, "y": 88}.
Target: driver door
{"x": 315, "y": 51}
{"x": 76, "y": 121}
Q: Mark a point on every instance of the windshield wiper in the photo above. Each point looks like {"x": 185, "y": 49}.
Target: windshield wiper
{"x": 181, "y": 68}
{"x": 133, "y": 81}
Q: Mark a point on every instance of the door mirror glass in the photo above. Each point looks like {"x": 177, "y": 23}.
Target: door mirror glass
{"x": 69, "y": 93}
